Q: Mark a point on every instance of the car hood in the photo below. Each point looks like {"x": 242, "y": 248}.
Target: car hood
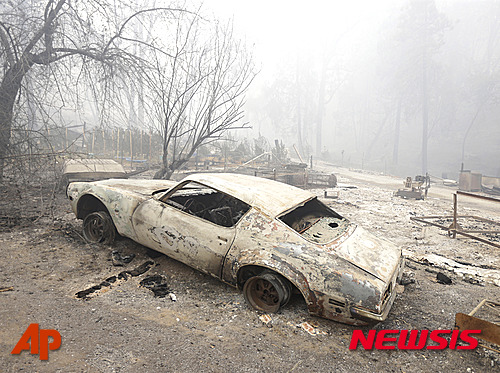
{"x": 362, "y": 249}
{"x": 145, "y": 187}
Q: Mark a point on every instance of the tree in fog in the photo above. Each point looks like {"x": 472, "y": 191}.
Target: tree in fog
{"x": 198, "y": 92}
{"x": 408, "y": 61}
{"x": 480, "y": 85}
{"x": 38, "y": 37}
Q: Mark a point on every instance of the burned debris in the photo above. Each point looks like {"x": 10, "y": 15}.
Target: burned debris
{"x": 443, "y": 279}
{"x": 157, "y": 284}
{"x": 415, "y": 189}
{"x": 90, "y": 170}
{"x": 466, "y": 225}
{"x": 269, "y": 165}
{"x": 108, "y": 282}
{"x": 119, "y": 260}
{"x": 487, "y": 323}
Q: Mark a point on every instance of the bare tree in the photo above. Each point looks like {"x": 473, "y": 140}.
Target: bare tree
{"x": 42, "y": 34}
{"x": 199, "y": 93}
{"x": 482, "y": 80}
{"x": 409, "y": 64}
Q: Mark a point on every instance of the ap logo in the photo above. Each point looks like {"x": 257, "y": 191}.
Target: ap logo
{"x": 39, "y": 341}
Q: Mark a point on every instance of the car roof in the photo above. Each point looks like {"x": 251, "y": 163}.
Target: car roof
{"x": 270, "y": 197}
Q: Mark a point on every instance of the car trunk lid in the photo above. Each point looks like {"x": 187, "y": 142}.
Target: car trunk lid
{"x": 374, "y": 255}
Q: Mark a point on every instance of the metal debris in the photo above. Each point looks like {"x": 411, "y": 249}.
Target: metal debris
{"x": 331, "y": 194}
{"x": 457, "y": 227}
{"x": 407, "y": 279}
{"x": 416, "y": 189}
{"x": 91, "y": 169}
{"x": 311, "y": 329}
{"x": 265, "y": 318}
{"x": 490, "y": 331}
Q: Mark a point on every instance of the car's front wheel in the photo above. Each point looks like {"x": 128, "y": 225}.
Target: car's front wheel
{"x": 267, "y": 291}
{"x": 99, "y": 228}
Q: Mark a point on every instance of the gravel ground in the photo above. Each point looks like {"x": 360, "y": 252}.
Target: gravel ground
{"x": 124, "y": 327}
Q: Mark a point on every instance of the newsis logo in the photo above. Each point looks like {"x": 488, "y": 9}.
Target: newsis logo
{"x": 414, "y": 339}
{"x": 39, "y": 341}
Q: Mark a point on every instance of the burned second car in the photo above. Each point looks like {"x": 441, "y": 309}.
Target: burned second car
{"x": 267, "y": 238}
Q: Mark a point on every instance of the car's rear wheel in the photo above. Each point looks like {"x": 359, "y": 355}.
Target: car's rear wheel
{"x": 99, "y": 228}
{"x": 267, "y": 291}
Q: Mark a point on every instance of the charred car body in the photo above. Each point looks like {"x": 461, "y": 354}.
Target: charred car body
{"x": 261, "y": 236}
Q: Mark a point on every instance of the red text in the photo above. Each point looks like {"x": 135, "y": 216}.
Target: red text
{"x": 414, "y": 339}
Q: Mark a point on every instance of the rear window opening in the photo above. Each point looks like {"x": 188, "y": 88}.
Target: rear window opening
{"x": 316, "y": 222}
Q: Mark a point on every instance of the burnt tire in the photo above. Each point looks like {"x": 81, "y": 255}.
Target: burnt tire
{"x": 99, "y": 228}
{"x": 267, "y": 292}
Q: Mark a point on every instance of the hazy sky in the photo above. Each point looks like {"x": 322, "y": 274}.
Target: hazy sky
{"x": 275, "y": 27}
{"x": 289, "y": 36}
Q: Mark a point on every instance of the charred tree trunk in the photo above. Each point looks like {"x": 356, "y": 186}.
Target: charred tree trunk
{"x": 9, "y": 90}
{"x": 169, "y": 167}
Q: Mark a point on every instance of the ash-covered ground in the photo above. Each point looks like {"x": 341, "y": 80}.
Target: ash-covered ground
{"x": 204, "y": 325}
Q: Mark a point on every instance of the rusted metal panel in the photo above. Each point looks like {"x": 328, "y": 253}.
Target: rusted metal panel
{"x": 321, "y": 272}
{"x": 194, "y": 241}
{"x": 121, "y": 197}
{"x": 489, "y": 331}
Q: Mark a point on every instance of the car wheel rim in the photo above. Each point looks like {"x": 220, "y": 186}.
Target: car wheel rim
{"x": 262, "y": 295}
{"x": 98, "y": 227}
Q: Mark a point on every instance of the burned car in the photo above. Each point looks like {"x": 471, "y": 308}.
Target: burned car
{"x": 267, "y": 238}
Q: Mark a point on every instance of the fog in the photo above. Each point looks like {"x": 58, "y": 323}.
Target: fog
{"x": 363, "y": 84}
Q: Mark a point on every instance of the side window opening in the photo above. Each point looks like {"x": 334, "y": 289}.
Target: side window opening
{"x": 209, "y": 204}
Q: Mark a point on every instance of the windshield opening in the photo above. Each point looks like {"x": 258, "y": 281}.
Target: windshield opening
{"x": 208, "y": 204}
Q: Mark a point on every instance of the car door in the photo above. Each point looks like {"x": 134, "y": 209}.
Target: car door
{"x": 176, "y": 226}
